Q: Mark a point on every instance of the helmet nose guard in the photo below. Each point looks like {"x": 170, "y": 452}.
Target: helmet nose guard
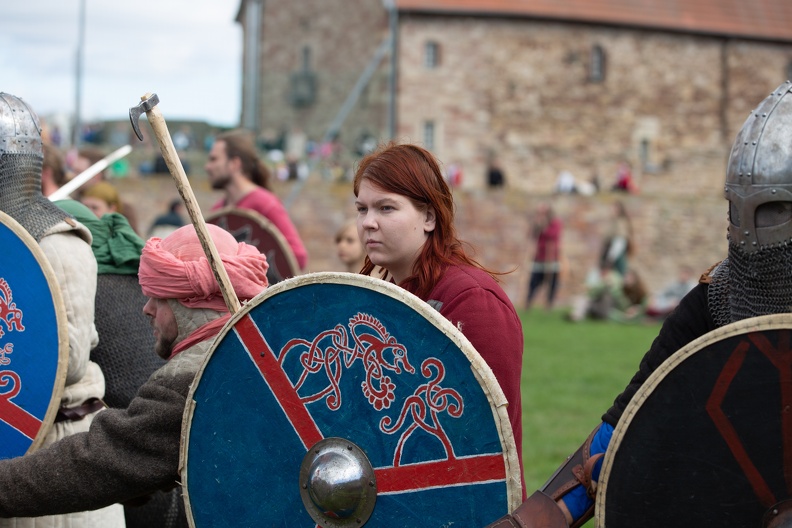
{"x": 760, "y": 172}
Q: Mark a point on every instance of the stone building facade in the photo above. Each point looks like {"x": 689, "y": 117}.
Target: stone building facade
{"x": 539, "y": 92}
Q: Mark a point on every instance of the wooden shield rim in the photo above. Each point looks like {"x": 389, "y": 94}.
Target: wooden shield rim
{"x": 266, "y": 225}
{"x": 481, "y": 370}
{"x": 753, "y": 324}
{"x": 60, "y": 317}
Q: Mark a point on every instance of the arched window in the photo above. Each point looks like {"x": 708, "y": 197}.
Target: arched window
{"x": 597, "y": 64}
{"x": 431, "y": 55}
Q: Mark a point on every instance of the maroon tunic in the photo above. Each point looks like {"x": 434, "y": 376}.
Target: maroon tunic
{"x": 472, "y": 300}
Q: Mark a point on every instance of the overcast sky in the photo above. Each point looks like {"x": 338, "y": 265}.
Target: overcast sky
{"x": 187, "y": 51}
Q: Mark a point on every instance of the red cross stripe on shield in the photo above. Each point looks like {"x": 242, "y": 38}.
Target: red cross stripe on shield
{"x": 14, "y": 415}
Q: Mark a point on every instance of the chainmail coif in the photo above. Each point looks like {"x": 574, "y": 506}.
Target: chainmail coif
{"x": 21, "y": 198}
{"x": 761, "y": 283}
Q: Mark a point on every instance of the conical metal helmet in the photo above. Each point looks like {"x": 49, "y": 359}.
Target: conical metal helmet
{"x": 21, "y": 157}
{"x": 759, "y": 176}
{"x": 20, "y": 130}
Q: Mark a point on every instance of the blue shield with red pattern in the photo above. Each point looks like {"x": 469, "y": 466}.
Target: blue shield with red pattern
{"x": 33, "y": 342}
{"x": 335, "y": 399}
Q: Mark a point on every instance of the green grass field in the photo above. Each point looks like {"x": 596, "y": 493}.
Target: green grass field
{"x": 571, "y": 374}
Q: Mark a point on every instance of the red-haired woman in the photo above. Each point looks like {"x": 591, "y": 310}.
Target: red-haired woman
{"x": 406, "y": 223}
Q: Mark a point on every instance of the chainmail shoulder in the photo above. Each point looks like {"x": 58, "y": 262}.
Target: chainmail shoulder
{"x": 718, "y": 294}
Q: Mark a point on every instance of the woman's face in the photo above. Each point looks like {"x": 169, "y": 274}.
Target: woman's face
{"x": 97, "y": 205}
{"x": 392, "y": 230}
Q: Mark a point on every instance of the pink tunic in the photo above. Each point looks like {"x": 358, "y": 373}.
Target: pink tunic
{"x": 268, "y": 205}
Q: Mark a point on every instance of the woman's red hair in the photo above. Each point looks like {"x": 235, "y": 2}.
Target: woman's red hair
{"x": 413, "y": 172}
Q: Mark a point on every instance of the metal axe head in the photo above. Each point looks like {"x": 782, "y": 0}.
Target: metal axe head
{"x": 148, "y": 101}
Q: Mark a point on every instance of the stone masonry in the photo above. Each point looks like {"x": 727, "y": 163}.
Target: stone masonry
{"x": 669, "y": 229}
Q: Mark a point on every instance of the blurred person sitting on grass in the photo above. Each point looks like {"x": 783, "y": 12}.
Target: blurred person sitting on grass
{"x": 666, "y": 300}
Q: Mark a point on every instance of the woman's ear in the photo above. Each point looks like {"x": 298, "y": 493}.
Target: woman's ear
{"x": 430, "y": 220}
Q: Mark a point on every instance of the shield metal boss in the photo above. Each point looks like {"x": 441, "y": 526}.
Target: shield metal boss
{"x": 252, "y": 228}
{"x": 707, "y": 439}
{"x": 33, "y": 342}
{"x": 336, "y": 400}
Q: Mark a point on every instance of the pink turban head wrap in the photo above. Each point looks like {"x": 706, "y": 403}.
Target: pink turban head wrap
{"x": 177, "y": 268}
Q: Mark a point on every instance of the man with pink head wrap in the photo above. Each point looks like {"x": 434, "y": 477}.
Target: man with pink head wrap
{"x": 176, "y": 277}
{"x": 130, "y": 453}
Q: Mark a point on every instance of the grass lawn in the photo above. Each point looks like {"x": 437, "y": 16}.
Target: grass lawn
{"x": 571, "y": 374}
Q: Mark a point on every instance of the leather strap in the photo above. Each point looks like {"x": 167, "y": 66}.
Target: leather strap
{"x": 537, "y": 511}
{"x": 79, "y": 412}
{"x": 573, "y": 471}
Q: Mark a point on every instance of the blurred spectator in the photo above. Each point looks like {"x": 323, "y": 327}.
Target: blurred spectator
{"x": 102, "y": 198}
{"x": 604, "y": 293}
{"x": 169, "y": 221}
{"x": 546, "y": 232}
{"x": 53, "y": 171}
{"x": 82, "y": 160}
{"x": 161, "y": 167}
{"x": 495, "y": 176}
{"x": 349, "y": 249}
{"x": 617, "y": 244}
{"x": 366, "y": 144}
{"x": 296, "y": 145}
{"x": 183, "y": 139}
{"x": 454, "y": 175}
{"x": 56, "y": 137}
{"x": 624, "y": 179}
{"x": 233, "y": 167}
{"x": 635, "y": 299}
{"x": 86, "y": 158}
{"x": 565, "y": 183}
{"x": 666, "y": 300}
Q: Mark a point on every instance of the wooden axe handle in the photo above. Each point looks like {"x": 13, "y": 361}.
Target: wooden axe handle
{"x": 173, "y": 162}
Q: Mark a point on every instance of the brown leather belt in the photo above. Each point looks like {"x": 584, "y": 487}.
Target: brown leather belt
{"x": 90, "y": 405}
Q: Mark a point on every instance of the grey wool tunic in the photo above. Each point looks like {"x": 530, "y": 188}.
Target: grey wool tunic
{"x": 126, "y": 453}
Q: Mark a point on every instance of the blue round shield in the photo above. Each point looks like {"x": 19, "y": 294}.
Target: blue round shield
{"x": 337, "y": 400}
{"x": 33, "y": 342}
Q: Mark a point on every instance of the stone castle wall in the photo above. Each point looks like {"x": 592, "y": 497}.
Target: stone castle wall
{"x": 670, "y": 230}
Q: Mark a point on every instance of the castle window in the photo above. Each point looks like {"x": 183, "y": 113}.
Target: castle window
{"x": 431, "y": 55}
{"x": 597, "y": 64}
{"x": 429, "y": 135}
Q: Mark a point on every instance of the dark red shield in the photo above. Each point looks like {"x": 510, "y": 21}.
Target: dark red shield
{"x": 252, "y": 228}
{"x": 707, "y": 440}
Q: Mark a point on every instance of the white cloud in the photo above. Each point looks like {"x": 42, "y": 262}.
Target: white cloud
{"x": 188, "y": 51}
